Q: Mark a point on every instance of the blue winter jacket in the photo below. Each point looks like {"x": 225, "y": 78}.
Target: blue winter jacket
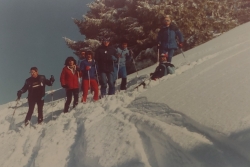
{"x": 167, "y": 37}
{"x": 125, "y": 56}
{"x": 92, "y": 71}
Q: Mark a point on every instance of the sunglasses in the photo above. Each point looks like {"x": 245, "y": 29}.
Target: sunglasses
{"x": 166, "y": 20}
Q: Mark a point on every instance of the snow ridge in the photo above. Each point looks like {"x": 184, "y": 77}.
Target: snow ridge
{"x": 153, "y": 127}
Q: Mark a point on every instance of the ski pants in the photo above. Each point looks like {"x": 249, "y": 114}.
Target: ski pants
{"x": 170, "y": 53}
{"x": 107, "y": 78}
{"x": 123, "y": 74}
{"x": 94, "y": 86}
{"x": 69, "y": 93}
{"x": 32, "y": 103}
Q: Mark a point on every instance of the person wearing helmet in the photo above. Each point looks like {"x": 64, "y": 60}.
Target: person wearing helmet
{"x": 164, "y": 67}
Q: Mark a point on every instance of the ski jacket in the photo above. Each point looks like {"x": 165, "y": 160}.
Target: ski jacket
{"x": 125, "y": 57}
{"x": 69, "y": 78}
{"x": 167, "y": 37}
{"x": 91, "y": 73}
{"x": 105, "y": 57}
{"x": 163, "y": 69}
{"x": 80, "y": 61}
{"x": 36, "y": 87}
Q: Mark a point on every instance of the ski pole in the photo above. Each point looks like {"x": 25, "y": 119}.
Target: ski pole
{"x": 98, "y": 77}
{"x": 137, "y": 75}
{"x": 52, "y": 99}
{"x": 182, "y": 53}
{"x": 158, "y": 53}
{"x": 117, "y": 73}
{"x": 118, "y": 66}
{"x": 96, "y": 74}
{"x": 14, "y": 110}
{"x": 89, "y": 81}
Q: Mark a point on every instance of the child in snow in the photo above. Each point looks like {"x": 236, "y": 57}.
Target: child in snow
{"x": 89, "y": 77}
{"x": 164, "y": 68}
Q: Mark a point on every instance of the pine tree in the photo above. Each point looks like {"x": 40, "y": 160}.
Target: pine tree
{"x": 140, "y": 20}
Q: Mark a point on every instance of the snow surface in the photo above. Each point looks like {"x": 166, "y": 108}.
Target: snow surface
{"x": 198, "y": 117}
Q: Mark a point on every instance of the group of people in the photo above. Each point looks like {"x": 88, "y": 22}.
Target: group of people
{"x": 102, "y": 68}
{"x": 89, "y": 72}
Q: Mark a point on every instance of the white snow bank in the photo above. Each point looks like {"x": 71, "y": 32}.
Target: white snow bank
{"x": 197, "y": 117}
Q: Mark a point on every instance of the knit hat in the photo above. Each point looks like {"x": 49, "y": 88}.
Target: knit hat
{"x": 164, "y": 54}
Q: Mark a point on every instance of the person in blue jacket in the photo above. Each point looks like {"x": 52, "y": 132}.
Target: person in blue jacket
{"x": 123, "y": 56}
{"x": 89, "y": 77}
{"x": 168, "y": 36}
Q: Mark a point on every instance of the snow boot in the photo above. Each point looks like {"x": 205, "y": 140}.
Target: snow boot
{"x": 66, "y": 108}
{"x": 75, "y": 104}
{"x": 26, "y": 123}
{"x": 123, "y": 84}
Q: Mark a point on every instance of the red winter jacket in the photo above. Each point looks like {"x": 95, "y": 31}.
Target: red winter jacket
{"x": 69, "y": 79}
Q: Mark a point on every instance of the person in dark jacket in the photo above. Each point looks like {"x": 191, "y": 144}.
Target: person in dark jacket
{"x": 36, "y": 92}
{"x": 164, "y": 68}
{"x": 123, "y": 56}
{"x": 69, "y": 81}
{"x": 105, "y": 57}
{"x": 167, "y": 37}
{"x": 89, "y": 77}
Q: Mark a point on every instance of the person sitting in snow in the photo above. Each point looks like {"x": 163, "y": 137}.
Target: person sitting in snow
{"x": 36, "y": 92}
{"x": 164, "y": 68}
{"x": 89, "y": 77}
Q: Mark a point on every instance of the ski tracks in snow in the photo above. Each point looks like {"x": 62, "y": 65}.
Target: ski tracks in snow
{"x": 120, "y": 130}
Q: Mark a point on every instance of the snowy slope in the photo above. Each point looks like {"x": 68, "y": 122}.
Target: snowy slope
{"x": 198, "y": 117}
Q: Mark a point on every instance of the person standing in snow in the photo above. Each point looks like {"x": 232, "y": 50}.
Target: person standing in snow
{"x": 123, "y": 56}
{"x": 167, "y": 37}
{"x": 69, "y": 81}
{"x": 81, "y": 59}
{"x": 36, "y": 92}
{"x": 164, "y": 68}
{"x": 105, "y": 57}
{"x": 89, "y": 77}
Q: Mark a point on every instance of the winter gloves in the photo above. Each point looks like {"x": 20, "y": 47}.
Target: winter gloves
{"x": 180, "y": 45}
{"x": 19, "y": 94}
{"x": 52, "y": 79}
{"x": 88, "y": 68}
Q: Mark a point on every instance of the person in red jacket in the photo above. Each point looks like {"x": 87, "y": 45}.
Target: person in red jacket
{"x": 89, "y": 77}
{"x": 69, "y": 81}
